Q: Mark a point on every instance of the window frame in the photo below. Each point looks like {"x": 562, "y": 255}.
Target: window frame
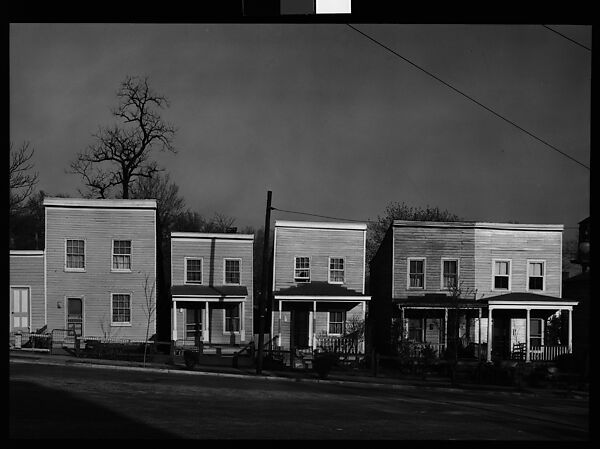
{"x": 539, "y": 336}
{"x": 112, "y": 256}
{"x": 449, "y": 259}
{"x": 329, "y": 269}
{"x": 408, "y": 261}
{"x": 543, "y": 276}
{"x": 343, "y": 322}
{"x": 510, "y": 266}
{"x": 185, "y": 271}
{"x": 308, "y": 269}
{"x": 76, "y": 269}
{"x": 121, "y": 323}
{"x": 225, "y": 260}
{"x": 237, "y": 306}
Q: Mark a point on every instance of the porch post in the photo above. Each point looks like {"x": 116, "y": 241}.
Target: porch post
{"x": 489, "y": 329}
{"x": 402, "y": 330}
{"x": 527, "y": 336}
{"x": 479, "y": 335}
{"x": 445, "y": 328}
{"x": 314, "y": 327}
{"x": 570, "y": 330}
{"x": 279, "y": 343}
{"x": 311, "y": 329}
{"x": 364, "y": 316}
{"x": 207, "y": 321}
{"x": 242, "y": 323}
{"x": 174, "y": 332}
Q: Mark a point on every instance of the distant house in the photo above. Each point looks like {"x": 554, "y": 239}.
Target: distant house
{"x": 100, "y": 260}
{"x": 318, "y": 284}
{"x": 472, "y": 289}
{"x": 212, "y": 288}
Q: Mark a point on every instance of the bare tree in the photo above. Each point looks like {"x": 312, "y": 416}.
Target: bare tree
{"x": 21, "y": 179}
{"x": 149, "y": 309}
{"x": 121, "y": 153}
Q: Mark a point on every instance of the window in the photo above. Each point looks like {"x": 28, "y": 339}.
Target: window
{"x": 75, "y": 255}
{"x": 536, "y": 275}
{"x": 416, "y": 273}
{"x": 336, "y": 270}
{"x": 501, "y": 275}
{"x": 449, "y": 273}
{"x": 232, "y": 271}
{"x": 302, "y": 269}
{"x": 415, "y": 329}
{"x": 337, "y": 319}
{"x": 535, "y": 332}
{"x": 193, "y": 271}
{"x": 232, "y": 319}
{"x": 121, "y": 255}
{"x": 121, "y": 309}
{"x": 193, "y": 317}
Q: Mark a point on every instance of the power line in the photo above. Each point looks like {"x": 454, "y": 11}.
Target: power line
{"x": 320, "y": 216}
{"x": 467, "y": 96}
{"x": 567, "y": 37}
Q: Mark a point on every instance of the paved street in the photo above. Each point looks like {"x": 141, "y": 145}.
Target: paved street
{"x": 48, "y": 401}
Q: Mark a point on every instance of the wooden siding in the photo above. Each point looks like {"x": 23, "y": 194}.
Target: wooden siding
{"x": 213, "y": 252}
{"x": 99, "y": 227}
{"x": 319, "y": 245}
{"x": 433, "y": 244}
{"x": 518, "y": 246}
{"x": 28, "y": 271}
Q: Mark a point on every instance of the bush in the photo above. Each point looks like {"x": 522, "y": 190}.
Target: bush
{"x": 323, "y": 362}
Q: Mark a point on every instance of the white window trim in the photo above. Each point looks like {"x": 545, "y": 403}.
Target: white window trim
{"x": 121, "y": 324}
{"x": 329, "y": 270}
{"x": 309, "y": 270}
{"x": 226, "y": 332}
{"x": 543, "y": 262}
{"x": 185, "y": 279}
{"x": 510, "y": 267}
{"x": 449, "y": 259}
{"x": 112, "y": 256}
{"x": 66, "y": 313}
{"x": 224, "y": 275}
{"x": 76, "y": 270}
{"x": 408, "y": 260}
{"x": 343, "y": 321}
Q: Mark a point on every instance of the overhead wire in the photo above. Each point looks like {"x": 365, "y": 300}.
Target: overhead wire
{"x": 567, "y": 37}
{"x": 467, "y": 96}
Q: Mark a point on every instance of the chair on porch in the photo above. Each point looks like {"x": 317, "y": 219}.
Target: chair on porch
{"x": 518, "y": 351}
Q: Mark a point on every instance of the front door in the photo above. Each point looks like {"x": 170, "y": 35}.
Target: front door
{"x": 75, "y": 316}
{"x": 300, "y": 329}
{"x": 20, "y": 310}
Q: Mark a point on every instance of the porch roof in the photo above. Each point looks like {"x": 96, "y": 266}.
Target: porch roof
{"x": 524, "y": 299}
{"x": 209, "y": 290}
{"x": 317, "y": 288}
{"x": 439, "y": 300}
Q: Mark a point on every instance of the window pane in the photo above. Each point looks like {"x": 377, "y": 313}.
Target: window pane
{"x": 194, "y": 270}
{"x": 75, "y": 254}
{"x": 535, "y": 269}
{"x": 536, "y": 283}
{"x": 121, "y": 309}
{"x": 501, "y": 282}
{"x": 416, "y": 266}
{"x": 232, "y": 271}
{"x": 502, "y": 268}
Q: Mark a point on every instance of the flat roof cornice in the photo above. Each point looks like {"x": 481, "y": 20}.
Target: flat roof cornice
{"x": 320, "y": 225}
{"x": 100, "y": 203}
{"x": 213, "y": 235}
{"x": 479, "y": 225}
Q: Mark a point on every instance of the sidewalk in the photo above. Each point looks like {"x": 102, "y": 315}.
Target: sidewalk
{"x": 358, "y": 378}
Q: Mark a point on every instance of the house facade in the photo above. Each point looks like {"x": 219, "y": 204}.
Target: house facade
{"x": 318, "y": 283}
{"x": 478, "y": 289}
{"x": 212, "y": 288}
{"x": 100, "y": 267}
{"x": 27, "y": 311}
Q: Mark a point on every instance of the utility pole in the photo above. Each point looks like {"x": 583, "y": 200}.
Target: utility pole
{"x": 264, "y": 287}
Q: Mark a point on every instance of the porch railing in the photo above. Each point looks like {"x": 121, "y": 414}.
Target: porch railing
{"x": 418, "y": 350}
{"x": 539, "y": 353}
{"x": 336, "y": 344}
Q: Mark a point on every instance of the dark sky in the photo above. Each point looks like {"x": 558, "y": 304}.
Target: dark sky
{"x": 330, "y": 122}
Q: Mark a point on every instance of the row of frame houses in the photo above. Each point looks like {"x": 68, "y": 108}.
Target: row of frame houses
{"x": 488, "y": 287}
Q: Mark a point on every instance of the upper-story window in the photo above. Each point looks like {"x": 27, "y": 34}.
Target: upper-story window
{"x": 336, "y": 270}
{"x": 232, "y": 269}
{"x": 449, "y": 273}
{"x": 536, "y": 274}
{"x": 501, "y": 275}
{"x": 121, "y": 259}
{"x": 416, "y": 273}
{"x": 193, "y": 271}
{"x": 302, "y": 269}
{"x": 75, "y": 255}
